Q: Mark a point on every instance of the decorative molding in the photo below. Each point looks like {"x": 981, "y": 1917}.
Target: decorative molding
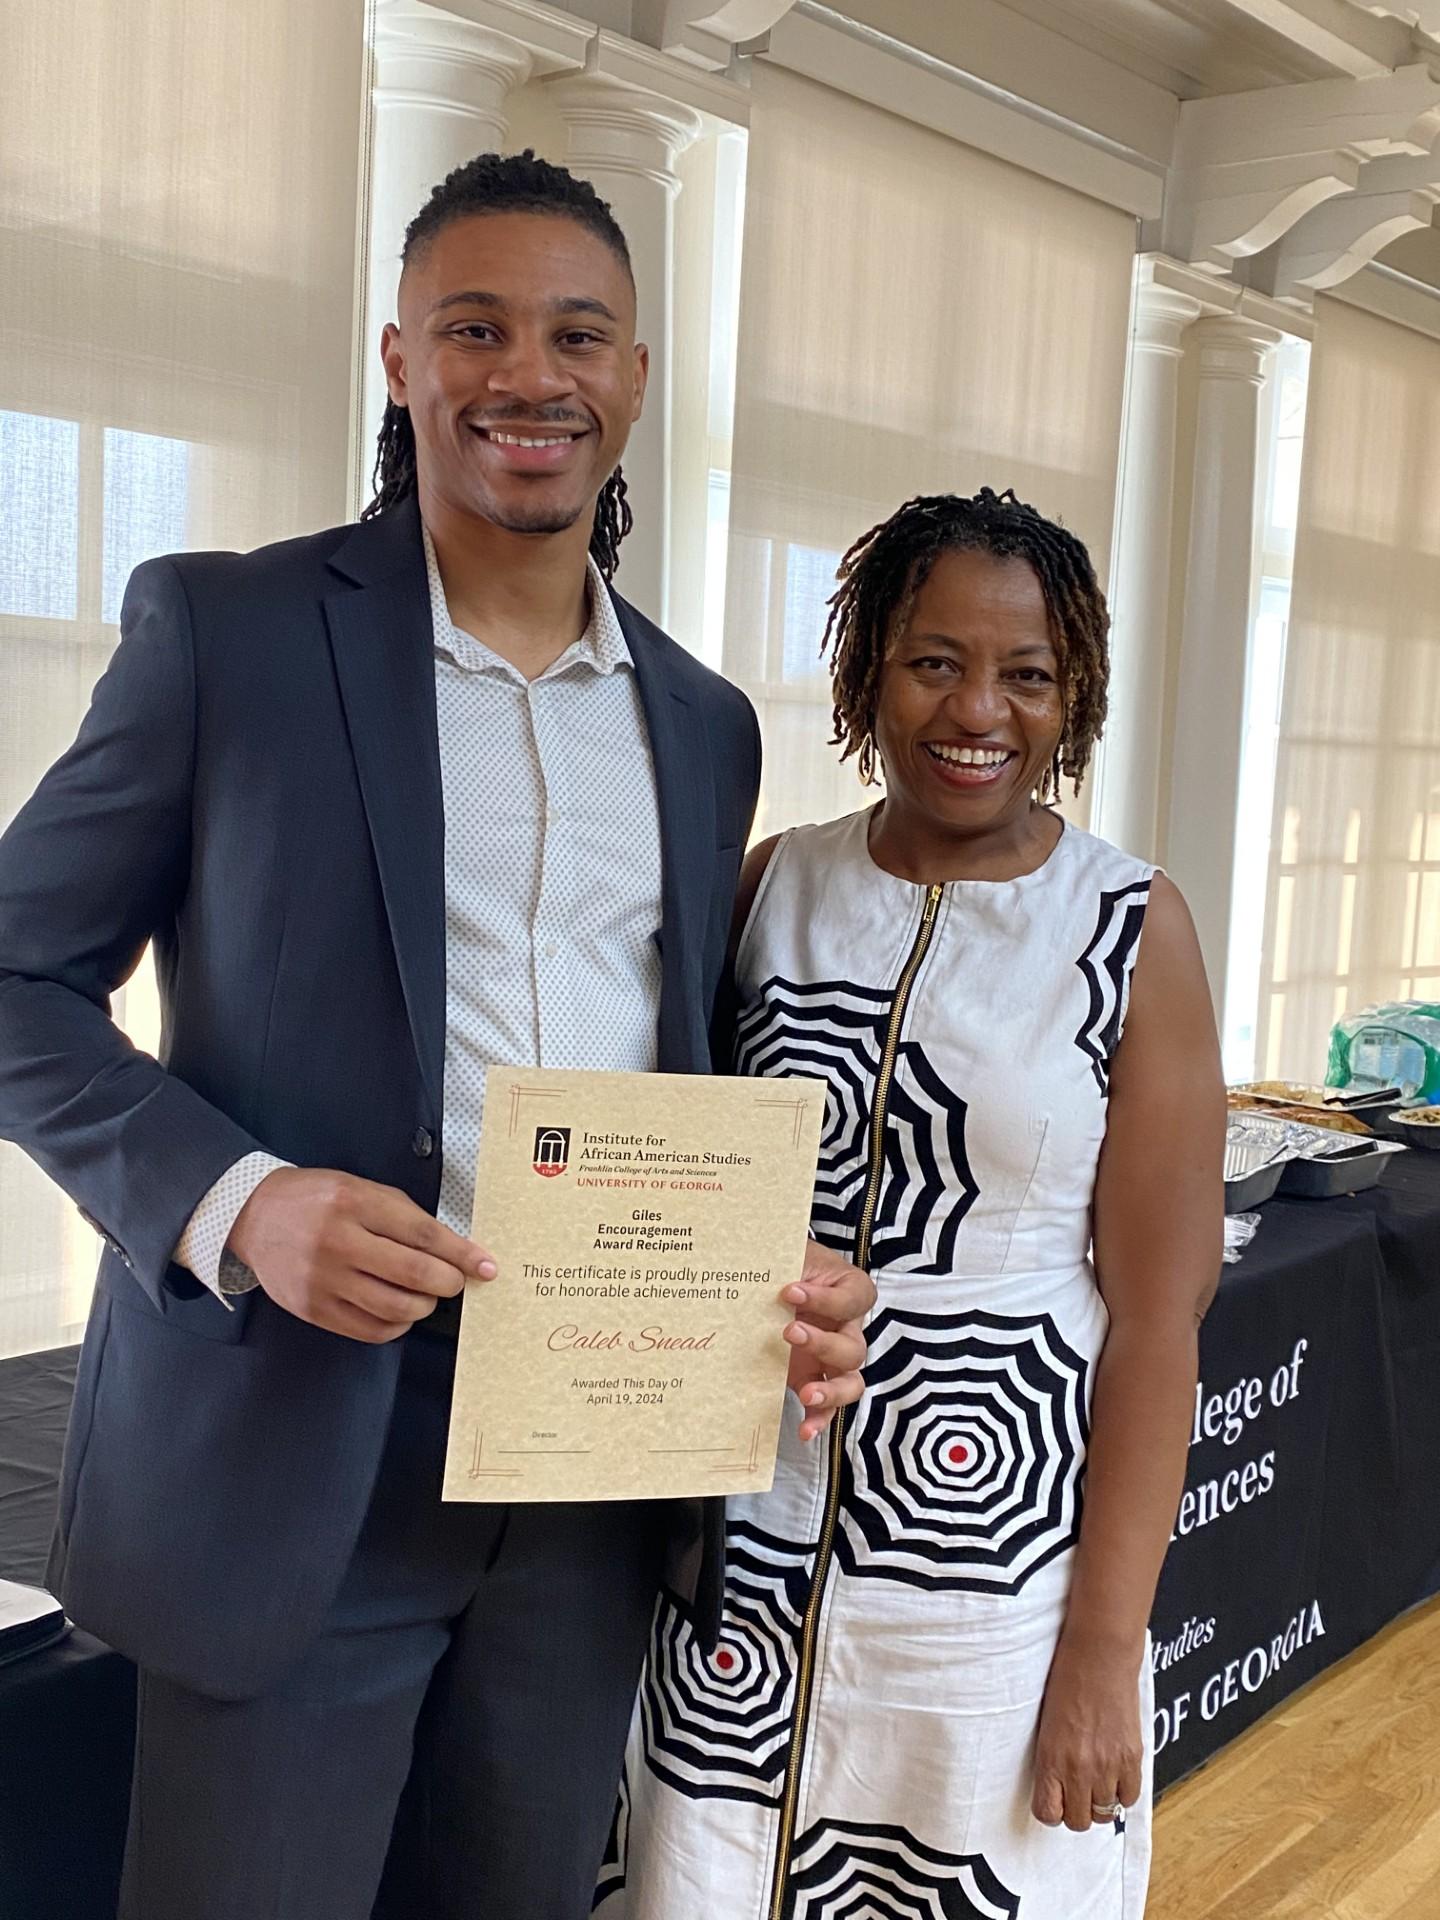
{"x": 1393, "y": 296}
{"x": 1162, "y": 313}
{"x": 1360, "y": 43}
{"x": 425, "y": 58}
{"x": 556, "y": 41}
{"x": 1250, "y": 167}
{"x": 610, "y": 56}
{"x": 869, "y": 65}
{"x": 559, "y": 43}
{"x": 1232, "y": 346}
{"x": 706, "y": 33}
{"x": 1220, "y": 297}
{"x": 1049, "y": 60}
{"x": 621, "y": 129}
{"x": 1396, "y": 196}
{"x": 1272, "y": 194}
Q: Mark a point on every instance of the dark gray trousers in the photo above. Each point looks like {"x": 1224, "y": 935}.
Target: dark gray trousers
{"x": 455, "y": 1734}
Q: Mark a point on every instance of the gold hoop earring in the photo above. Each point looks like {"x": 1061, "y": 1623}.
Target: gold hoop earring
{"x": 866, "y": 761}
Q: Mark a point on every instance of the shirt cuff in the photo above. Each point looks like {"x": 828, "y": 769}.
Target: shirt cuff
{"x": 202, "y": 1245}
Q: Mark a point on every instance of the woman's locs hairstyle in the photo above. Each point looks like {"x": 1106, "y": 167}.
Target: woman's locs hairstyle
{"x": 503, "y": 183}
{"x": 885, "y": 569}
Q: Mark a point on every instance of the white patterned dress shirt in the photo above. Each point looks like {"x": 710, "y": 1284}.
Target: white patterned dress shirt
{"x": 552, "y": 891}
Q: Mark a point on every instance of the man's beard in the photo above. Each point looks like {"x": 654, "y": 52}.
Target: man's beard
{"x": 536, "y": 519}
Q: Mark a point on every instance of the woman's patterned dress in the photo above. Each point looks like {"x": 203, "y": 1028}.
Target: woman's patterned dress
{"x": 859, "y": 1745}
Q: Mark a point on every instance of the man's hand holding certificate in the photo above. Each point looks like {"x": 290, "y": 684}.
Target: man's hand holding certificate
{"x": 650, "y": 1232}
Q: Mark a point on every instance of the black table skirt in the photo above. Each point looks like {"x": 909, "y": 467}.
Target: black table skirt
{"x": 1310, "y": 1520}
{"x": 67, "y": 1714}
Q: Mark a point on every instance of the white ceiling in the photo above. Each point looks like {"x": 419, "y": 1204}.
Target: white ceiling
{"x": 1189, "y": 47}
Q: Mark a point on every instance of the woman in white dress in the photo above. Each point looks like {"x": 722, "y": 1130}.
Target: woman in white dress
{"x": 931, "y": 1694}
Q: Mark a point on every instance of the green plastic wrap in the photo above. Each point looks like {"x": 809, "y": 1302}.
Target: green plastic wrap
{"x": 1394, "y": 1045}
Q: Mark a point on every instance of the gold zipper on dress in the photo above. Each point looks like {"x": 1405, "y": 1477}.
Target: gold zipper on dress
{"x": 809, "y": 1626}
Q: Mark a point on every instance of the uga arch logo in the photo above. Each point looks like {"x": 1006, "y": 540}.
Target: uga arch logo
{"x": 552, "y": 1151}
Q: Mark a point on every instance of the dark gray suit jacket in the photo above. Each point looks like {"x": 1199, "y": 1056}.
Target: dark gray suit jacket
{"x": 257, "y": 789}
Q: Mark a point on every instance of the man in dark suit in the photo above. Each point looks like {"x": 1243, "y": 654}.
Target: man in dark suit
{"x": 391, "y": 801}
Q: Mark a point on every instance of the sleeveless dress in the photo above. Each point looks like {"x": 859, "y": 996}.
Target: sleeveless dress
{"x": 859, "y": 1745}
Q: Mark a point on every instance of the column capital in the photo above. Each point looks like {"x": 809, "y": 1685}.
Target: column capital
{"x": 426, "y": 58}
{"x": 1229, "y": 346}
{"x": 622, "y": 129}
{"x": 1161, "y": 316}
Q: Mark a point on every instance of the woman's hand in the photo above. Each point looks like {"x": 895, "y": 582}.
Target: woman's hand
{"x": 1089, "y": 1750}
{"x": 826, "y": 1336}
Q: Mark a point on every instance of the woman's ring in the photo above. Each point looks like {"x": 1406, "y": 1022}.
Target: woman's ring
{"x": 1112, "y": 1811}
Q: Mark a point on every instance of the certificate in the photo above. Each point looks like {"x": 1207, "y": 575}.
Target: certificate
{"x": 644, "y": 1226}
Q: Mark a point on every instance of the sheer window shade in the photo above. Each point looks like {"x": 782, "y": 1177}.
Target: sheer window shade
{"x": 915, "y": 317}
{"x": 177, "y": 224}
{"x": 1353, "y": 907}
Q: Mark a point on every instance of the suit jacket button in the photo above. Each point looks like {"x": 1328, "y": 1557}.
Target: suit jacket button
{"x": 422, "y": 1143}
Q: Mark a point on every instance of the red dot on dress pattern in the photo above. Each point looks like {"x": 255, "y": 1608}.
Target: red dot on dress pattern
{"x": 959, "y": 1454}
{"x": 725, "y": 1660}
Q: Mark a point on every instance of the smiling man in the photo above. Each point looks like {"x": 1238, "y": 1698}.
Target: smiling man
{"x": 393, "y": 802}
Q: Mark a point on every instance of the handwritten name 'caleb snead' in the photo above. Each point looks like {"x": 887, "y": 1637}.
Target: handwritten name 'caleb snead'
{"x": 647, "y": 1340}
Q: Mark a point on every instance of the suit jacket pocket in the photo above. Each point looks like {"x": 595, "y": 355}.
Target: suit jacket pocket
{"x": 186, "y": 1304}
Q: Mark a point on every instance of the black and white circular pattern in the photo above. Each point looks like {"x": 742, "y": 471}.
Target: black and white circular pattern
{"x": 927, "y": 1188}
{"x": 1107, "y": 965}
{"x": 717, "y": 1725}
{"x": 963, "y": 1464}
{"x": 613, "y": 1867}
{"x": 841, "y": 1870}
{"x": 836, "y": 1031}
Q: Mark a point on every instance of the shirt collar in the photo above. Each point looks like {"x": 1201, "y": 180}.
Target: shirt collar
{"x": 601, "y": 646}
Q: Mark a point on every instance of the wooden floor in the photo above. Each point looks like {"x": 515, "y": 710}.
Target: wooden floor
{"x": 1329, "y": 1810}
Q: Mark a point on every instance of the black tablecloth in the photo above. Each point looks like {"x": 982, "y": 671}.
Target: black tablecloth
{"x": 1311, "y": 1519}
{"x": 67, "y": 1714}
{"x": 1311, "y": 1516}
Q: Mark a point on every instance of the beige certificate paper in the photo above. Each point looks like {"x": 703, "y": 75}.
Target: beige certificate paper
{"x": 644, "y": 1226}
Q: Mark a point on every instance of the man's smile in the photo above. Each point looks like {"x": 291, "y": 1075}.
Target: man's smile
{"x": 530, "y": 449}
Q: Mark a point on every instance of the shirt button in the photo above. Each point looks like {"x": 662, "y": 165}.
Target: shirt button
{"x": 550, "y": 953}
{"x": 422, "y": 1143}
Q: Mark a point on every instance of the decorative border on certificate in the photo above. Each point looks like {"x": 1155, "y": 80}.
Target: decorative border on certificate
{"x": 519, "y": 1093}
{"x": 479, "y": 1471}
{"x": 747, "y": 1463}
{"x": 797, "y": 1107}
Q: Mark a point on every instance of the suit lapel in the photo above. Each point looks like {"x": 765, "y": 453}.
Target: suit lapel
{"x": 382, "y": 640}
{"x": 685, "y": 795}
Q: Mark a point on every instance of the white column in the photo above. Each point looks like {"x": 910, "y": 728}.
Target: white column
{"x": 1129, "y": 797}
{"x": 1219, "y": 597}
{"x": 439, "y": 98}
{"x": 625, "y": 142}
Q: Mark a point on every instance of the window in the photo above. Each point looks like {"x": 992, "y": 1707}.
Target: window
{"x": 146, "y": 483}
{"x": 39, "y": 516}
{"x": 1353, "y": 908}
{"x": 63, "y": 570}
{"x": 872, "y": 368}
{"x": 176, "y": 301}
